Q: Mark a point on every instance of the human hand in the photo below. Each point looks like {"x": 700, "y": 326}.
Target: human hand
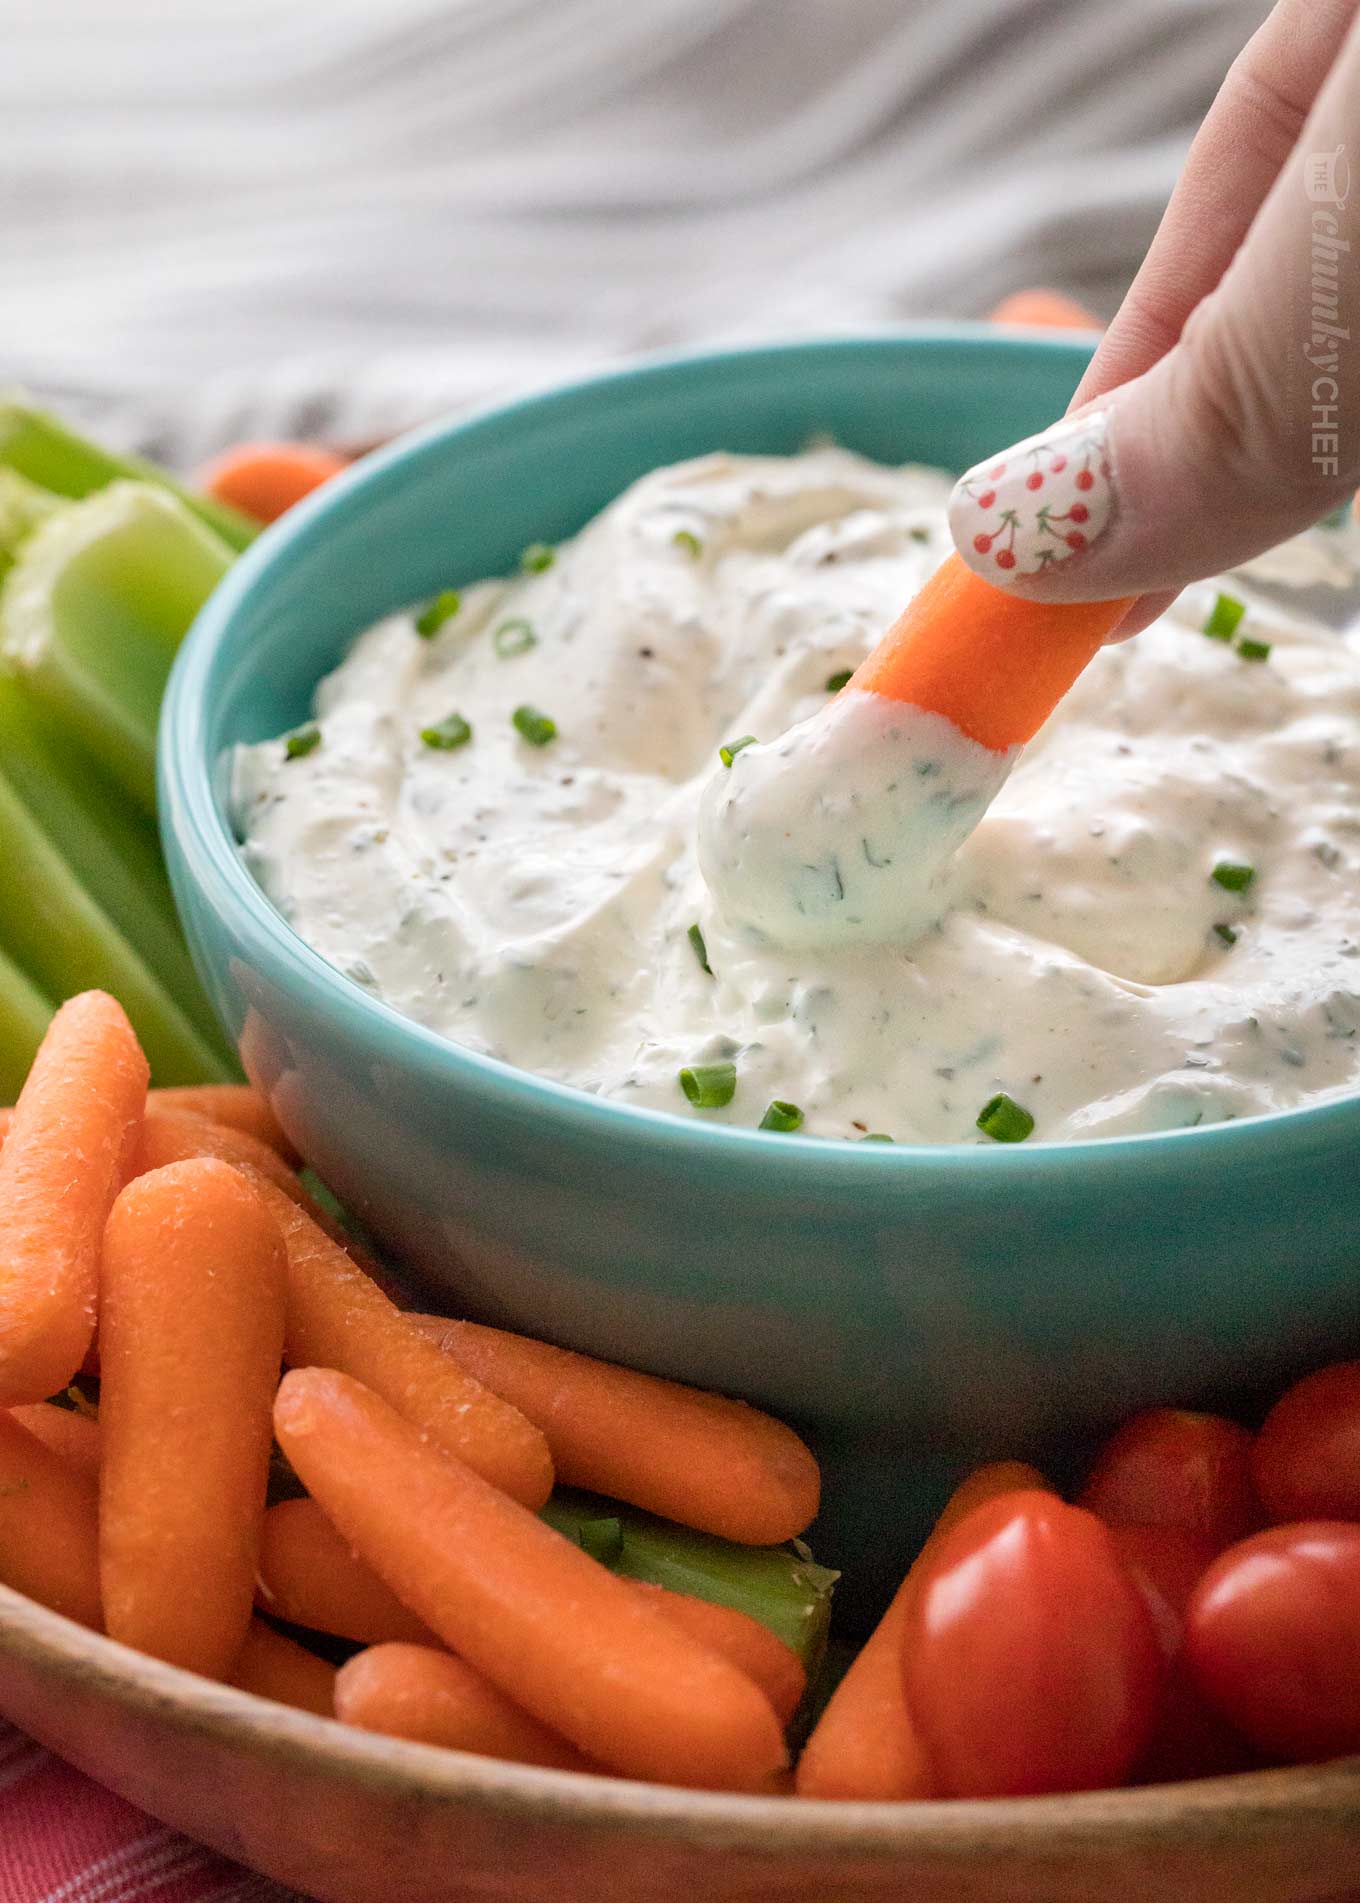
{"x": 1221, "y": 412}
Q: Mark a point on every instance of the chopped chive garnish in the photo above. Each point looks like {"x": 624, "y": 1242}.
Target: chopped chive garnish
{"x": 917, "y": 535}
{"x": 1253, "y": 650}
{"x": 453, "y": 731}
{"x": 877, "y": 1136}
{"x": 1223, "y": 617}
{"x": 537, "y": 557}
{"x": 709, "y": 1086}
{"x": 690, "y": 543}
{"x": 533, "y": 726}
{"x": 835, "y": 682}
{"x": 1226, "y": 933}
{"x": 602, "y": 1539}
{"x": 729, "y": 753}
{"x": 1233, "y": 878}
{"x": 435, "y": 613}
{"x": 781, "y": 1116}
{"x": 696, "y": 939}
{"x": 298, "y": 745}
{"x": 1004, "y": 1120}
{"x": 514, "y": 637}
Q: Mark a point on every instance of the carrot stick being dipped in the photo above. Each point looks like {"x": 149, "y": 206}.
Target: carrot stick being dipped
{"x": 59, "y": 1172}
{"x": 191, "y": 1335}
{"x": 339, "y": 1318}
{"x": 48, "y": 1517}
{"x": 554, "y": 1630}
{"x": 431, "y": 1697}
{"x": 698, "y": 1458}
{"x": 993, "y": 664}
{"x": 309, "y": 1576}
{"x": 840, "y": 830}
{"x": 865, "y": 1745}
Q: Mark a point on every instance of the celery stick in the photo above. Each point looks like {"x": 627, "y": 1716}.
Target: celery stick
{"x": 782, "y": 1586}
{"x": 93, "y": 609}
{"x": 23, "y": 505}
{"x": 64, "y": 942}
{"x": 109, "y": 845}
{"x": 24, "y": 1012}
{"x": 45, "y": 451}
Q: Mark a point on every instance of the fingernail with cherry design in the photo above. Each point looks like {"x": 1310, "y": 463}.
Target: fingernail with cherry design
{"x": 1037, "y": 504}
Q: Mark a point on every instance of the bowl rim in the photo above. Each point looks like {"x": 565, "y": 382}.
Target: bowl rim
{"x": 965, "y": 1828}
{"x": 192, "y": 817}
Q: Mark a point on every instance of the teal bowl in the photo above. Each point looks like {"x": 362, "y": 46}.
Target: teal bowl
{"x": 911, "y": 1308}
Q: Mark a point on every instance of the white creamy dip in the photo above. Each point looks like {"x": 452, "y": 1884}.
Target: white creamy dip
{"x": 535, "y": 902}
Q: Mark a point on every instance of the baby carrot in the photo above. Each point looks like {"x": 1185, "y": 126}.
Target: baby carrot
{"x": 173, "y": 1136}
{"x": 309, "y": 1576}
{"x": 239, "y": 1106}
{"x": 59, "y": 1172}
{"x": 698, "y": 1458}
{"x": 1042, "y": 309}
{"x": 177, "y": 1136}
{"x": 338, "y": 1317}
{"x": 265, "y": 479}
{"x": 748, "y": 1644}
{"x": 74, "y": 1437}
{"x": 48, "y": 1518}
{"x": 191, "y": 1335}
{"x": 232, "y": 1106}
{"x": 557, "y": 1632}
{"x": 431, "y": 1697}
{"x": 866, "y": 1745}
{"x": 276, "y": 1667}
{"x": 995, "y": 664}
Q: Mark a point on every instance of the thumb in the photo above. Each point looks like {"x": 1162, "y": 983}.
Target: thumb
{"x": 1245, "y": 432}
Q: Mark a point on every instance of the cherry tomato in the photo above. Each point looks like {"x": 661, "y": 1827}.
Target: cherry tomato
{"x": 1191, "y": 1737}
{"x": 1029, "y": 1661}
{"x": 1169, "y": 1467}
{"x": 1273, "y": 1636}
{"x": 1306, "y": 1461}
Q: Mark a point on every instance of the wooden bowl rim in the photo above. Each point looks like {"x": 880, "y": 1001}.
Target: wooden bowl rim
{"x": 188, "y": 1704}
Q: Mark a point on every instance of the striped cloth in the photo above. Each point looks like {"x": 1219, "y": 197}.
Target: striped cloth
{"x": 66, "y": 1840}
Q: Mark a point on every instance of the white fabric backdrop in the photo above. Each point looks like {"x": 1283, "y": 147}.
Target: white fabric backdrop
{"x": 221, "y": 217}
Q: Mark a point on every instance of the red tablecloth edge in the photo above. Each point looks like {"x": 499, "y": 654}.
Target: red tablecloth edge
{"x": 64, "y": 1839}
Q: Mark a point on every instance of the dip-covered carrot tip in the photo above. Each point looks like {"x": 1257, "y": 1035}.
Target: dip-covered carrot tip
{"x": 273, "y": 1666}
{"x": 866, "y": 1744}
{"x": 191, "y": 1338}
{"x": 309, "y": 1576}
{"x": 556, "y": 1632}
{"x": 698, "y": 1458}
{"x": 339, "y": 1318}
{"x": 431, "y": 1697}
{"x": 48, "y": 1517}
{"x": 995, "y": 664}
{"x": 264, "y": 480}
{"x": 59, "y": 1171}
